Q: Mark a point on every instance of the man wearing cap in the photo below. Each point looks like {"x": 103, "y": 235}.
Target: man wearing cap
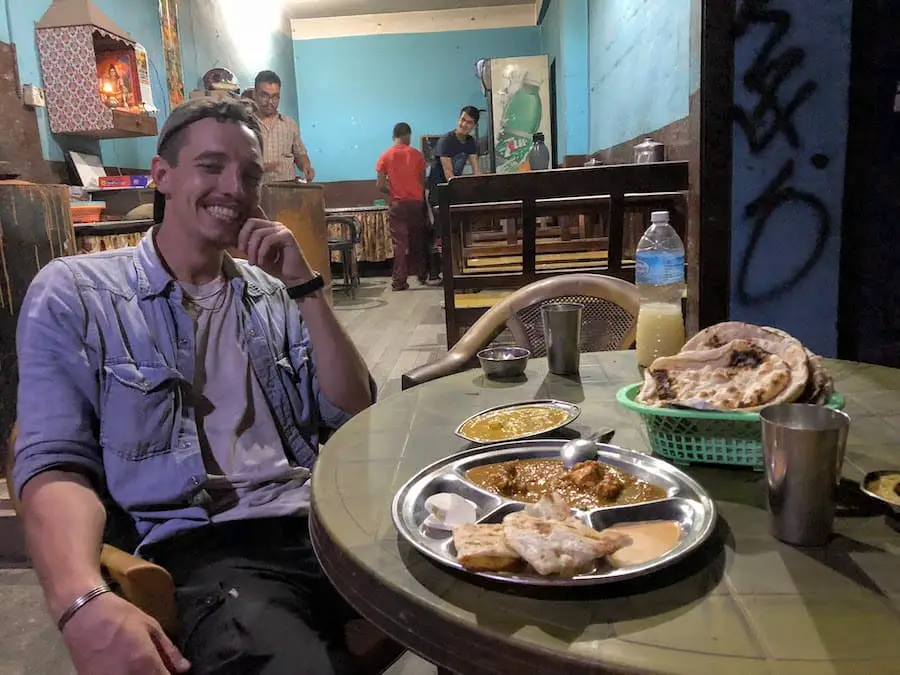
{"x": 177, "y": 395}
{"x": 283, "y": 148}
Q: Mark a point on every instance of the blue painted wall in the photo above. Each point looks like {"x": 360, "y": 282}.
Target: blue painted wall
{"x": 213, "y": 37}
{"x": 639, "y": 67}
{"x": 205, "y": 44}
{"x": 353, "y": 90}
{"x": 564, "y": 37}
{"x": 4, "y": 21}
{"x": 787, "y": 239}
{"x": 553, "y": 46}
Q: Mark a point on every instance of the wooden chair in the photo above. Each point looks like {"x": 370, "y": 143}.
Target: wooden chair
{"x": 150, "y": 588}
{"x": 608, "y": 321}
{"x": 345, "y": 246}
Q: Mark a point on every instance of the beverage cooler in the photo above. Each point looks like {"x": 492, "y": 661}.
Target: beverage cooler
{"x": 517, "y": 92}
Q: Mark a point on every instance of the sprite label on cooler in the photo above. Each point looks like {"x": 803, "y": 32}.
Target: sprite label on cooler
{"x": 521, "y": 119}
{"x": 512, "y": 151}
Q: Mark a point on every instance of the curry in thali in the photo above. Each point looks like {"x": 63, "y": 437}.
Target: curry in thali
{"x": 510, "y": 423}
{"x": 588, "y": 485}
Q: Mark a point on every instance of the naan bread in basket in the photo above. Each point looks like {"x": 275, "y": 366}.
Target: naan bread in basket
{"x": 819, "y": 386}
{"x": 745, "y": 375}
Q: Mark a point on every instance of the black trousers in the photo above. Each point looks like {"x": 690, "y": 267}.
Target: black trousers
{"x": 433, "y": 262}
{"x": 252, "y": 599}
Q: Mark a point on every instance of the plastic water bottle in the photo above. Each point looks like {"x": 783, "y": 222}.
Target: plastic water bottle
{"x": 659, "y": 275}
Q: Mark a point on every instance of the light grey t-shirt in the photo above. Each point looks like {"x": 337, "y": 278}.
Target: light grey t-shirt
{"x": 249, "y": 474}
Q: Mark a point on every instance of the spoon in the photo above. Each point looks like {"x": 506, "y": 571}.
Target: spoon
{"x": 584, "y": 449}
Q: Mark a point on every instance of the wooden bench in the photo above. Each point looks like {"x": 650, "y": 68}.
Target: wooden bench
{"x": 503, "y": 231}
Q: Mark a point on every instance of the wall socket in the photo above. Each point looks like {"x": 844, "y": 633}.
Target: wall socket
{"x": 33, "y": 96}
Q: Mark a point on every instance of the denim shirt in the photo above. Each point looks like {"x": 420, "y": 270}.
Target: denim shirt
{"x": 106, "y": 353}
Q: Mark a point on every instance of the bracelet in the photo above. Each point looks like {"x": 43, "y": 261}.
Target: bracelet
{"x": 80, "y": 602}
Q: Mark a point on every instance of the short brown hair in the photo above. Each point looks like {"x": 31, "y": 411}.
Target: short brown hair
{"x": 171, "y": 137}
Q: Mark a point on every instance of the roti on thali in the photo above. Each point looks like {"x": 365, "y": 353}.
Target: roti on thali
{"x": 484, "y": 547}
{"x": 737, "y": 366}
{"x": 563, "y": 546}
{"x": 552, "y": 541}
{"x": 544, "y": 537}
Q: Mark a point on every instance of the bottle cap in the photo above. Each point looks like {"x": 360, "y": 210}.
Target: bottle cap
{"x": 538, "y": 137}
{"x": 659, "y": 217}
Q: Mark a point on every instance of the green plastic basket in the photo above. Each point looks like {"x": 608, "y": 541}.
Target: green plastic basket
{"x": 694, "y": 437}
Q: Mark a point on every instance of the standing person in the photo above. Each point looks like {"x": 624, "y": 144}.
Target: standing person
{"x": 187, "y": 393}
{"x": 283, "y": 148}
{"x": 401, "y": 174}
{"x": 451, "y": 154}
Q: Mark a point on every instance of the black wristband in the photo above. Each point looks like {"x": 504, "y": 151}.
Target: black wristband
{"x": 307, "y": 287}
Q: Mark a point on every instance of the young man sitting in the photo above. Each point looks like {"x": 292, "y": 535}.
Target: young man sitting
{"x": 189, "y": 392}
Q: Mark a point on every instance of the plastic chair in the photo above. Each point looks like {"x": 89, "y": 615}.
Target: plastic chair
{"x": 609, "y": 321}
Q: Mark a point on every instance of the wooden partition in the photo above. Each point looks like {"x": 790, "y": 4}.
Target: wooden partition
{"x": 35, "y": 227}
{"x": 545, "y": 223}
{"x": 301, "y": 208}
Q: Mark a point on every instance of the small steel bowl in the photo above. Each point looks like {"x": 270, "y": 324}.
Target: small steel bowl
{"x": 503, "y": 363}
{"x": 871, "y": 478}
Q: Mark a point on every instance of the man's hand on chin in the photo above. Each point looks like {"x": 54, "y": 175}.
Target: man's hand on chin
{"x": 270, "y": 246}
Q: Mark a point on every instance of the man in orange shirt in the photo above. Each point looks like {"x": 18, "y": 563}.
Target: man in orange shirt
{"x": 401, "y": 174}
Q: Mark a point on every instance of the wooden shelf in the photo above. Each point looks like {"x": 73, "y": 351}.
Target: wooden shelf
{"x": 125, "y": 125}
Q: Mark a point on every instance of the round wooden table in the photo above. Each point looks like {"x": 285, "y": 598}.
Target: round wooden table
{"x": 744, "y": 603}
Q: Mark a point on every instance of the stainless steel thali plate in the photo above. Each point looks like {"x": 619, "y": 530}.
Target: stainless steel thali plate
{"x": 686, "y": 502}
{"x": 572, "y": 412}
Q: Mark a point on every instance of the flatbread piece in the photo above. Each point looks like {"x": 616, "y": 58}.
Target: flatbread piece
{"x": 819, "y": 385}
{"x": 741, "y": 375}
{"x": 483, "y": 547}
{"x": 564, "y": 547}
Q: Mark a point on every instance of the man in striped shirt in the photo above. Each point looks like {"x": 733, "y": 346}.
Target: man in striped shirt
{"x": 283, "y": 148}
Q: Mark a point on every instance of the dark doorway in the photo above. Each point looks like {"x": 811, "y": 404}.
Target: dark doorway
{"x": 869, "y": 305}
{"x": 554, "y": 146}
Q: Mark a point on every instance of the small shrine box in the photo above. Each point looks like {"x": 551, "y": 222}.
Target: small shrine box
{"x": 90, "y": 72}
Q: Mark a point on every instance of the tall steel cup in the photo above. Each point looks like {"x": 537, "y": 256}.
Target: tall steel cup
{"x": 804, "y": 451}
{"x": 562, "y": 335}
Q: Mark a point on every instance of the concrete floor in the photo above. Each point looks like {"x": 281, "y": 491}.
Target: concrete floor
{"x": 395, "y": 331}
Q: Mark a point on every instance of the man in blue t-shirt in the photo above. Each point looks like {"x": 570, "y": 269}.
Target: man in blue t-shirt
{"x": 451, "y": 154}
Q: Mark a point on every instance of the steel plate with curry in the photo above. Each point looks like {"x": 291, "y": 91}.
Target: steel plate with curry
{"x": 587, "y": 485}
{"x": 513, "y": 422}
